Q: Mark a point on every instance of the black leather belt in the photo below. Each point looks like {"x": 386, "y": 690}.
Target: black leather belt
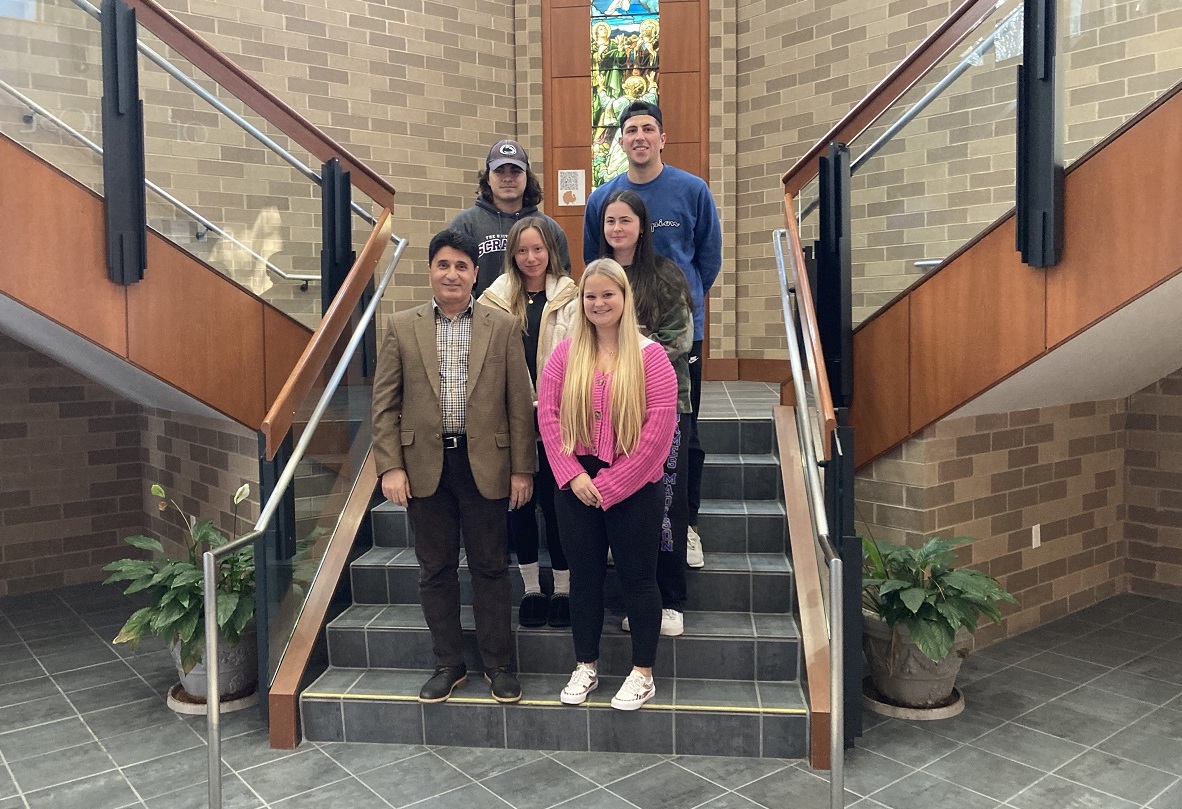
{"x": 455, "y": 441}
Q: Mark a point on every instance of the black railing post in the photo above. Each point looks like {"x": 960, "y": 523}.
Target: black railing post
{"x": 1038, "y": 189}
{"x": 124, "y": 206}
{"x": 273, "y": 552}
{"x": 834, "y": 301}
{"x": 834, "y": 269}
{"x": 337, "y": 257}
{"x": 839, "y": 493}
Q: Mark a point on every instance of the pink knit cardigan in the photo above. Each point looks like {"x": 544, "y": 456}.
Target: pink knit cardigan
{"x": 626, "y": 474}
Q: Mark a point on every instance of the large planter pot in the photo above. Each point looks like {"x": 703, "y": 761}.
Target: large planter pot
{"x": 238, "y": 668}
{"x": 902, "y": 673}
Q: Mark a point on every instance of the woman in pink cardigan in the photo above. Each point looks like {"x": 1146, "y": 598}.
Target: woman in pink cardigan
{"x": 607, "y": 405}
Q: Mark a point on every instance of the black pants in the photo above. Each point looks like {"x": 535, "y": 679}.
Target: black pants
{"x": 456, "y": 508}
{"x": 523, "y": 522}
{"x": 697, "y": 456}
{"x": 632, "y": 529}
{"x": 671, "y": 559}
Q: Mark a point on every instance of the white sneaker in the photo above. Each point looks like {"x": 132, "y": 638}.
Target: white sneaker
{"x": 583, "y": 681}
{"x": 693, "y": 550}
{"x": 635, "y": 691}
{"x": 672, "y": 623}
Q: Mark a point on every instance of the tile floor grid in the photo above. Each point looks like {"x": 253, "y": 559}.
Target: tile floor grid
{"x": 1030, "y": 739}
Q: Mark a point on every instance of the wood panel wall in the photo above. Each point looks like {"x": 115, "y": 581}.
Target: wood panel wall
{"x": 985, "y": 314}
{"x": 185, "y": 323}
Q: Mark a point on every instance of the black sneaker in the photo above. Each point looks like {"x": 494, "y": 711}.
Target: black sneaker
{"x": 532, "y": 610}
{"x": 559, "y": 612}
{"x": 445, "y": 680}
{"x": 505, "y": 687}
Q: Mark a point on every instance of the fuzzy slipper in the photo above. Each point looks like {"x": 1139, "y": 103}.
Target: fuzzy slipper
{"x": 533, "y": 609}
{"x": 559, "y": 613}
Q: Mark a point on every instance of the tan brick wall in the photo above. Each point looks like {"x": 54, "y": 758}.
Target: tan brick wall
{"x": 79, "y": 461}
{"x": 70, "y": 476}
{"x": 950, "y": 173}
{"x": 1153, "y": 489}
{"x": 994, "y": 478}
{"x": 800, "y": 67}
{"x": 200, "y": 462}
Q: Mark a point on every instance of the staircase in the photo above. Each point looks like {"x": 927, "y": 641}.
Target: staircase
{"x": 728, "y": 686}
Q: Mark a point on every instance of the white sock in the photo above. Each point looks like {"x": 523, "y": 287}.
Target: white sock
{"x": 529, "y": 575}
{"x": 562, "y": 582}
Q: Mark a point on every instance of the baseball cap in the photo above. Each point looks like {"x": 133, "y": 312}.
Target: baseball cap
{"x": 641, "y": 107}
{"x": 506, "y": 152}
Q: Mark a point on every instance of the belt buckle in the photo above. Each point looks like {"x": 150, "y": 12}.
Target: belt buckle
{"x": 451, "y": 442}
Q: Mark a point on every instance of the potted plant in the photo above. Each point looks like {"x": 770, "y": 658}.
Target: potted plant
{"x": 920, "y": 612}
{"x": 176, "y": 610}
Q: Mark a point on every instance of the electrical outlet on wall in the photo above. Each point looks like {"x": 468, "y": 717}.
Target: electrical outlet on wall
{"x": 1036, "y": 535}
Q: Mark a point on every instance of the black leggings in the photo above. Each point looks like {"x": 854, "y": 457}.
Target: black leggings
{"x": 523, "y": 522}
{"x": 632, "y": 529}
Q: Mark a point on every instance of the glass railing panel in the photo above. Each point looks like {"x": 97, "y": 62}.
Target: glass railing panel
{"x": 1116, "y": 58}
{"x": 939, "y": 168}
{"x": 324, "y": 479}
{"x": 806, "y": 212}
{"x": 232, "y": 201}
{"x": 51, "y": 85}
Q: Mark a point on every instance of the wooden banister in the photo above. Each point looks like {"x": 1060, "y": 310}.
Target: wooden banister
{"x": 230, "y": 76}
{"x": 810, "y": 599}
{"x": 950, "y": 33}
{"x": 808, "y": 317}
{"x": 332, "y": 327}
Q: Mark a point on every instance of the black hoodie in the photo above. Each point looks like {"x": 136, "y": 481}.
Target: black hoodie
{"x": 489, "y": 228}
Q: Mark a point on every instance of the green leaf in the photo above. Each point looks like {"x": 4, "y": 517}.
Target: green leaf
{"x": 913, "y": 598}
{"x": 227, "y": 603}
{"x": 934, "y": 638}
{"x": 157, "y": 490}
{"x": 145, "y": 543}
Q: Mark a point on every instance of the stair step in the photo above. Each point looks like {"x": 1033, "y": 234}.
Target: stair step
{"x": 686, "y": 717}
{"x": 730, "y": 582}
{"x": 741, "y": 477}
{"x": 718, "y": 645}
{"x": 731, "y": 436}
{"x": 727, "y": 526}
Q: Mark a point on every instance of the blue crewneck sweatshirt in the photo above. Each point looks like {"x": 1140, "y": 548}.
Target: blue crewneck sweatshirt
{"x": 685, "y": 226}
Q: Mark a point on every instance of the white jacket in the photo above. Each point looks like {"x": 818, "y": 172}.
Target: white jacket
{"x": 558, "y": 315}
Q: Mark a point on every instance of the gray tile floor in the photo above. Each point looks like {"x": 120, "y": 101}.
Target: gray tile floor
{"x": 1085, "y": 712}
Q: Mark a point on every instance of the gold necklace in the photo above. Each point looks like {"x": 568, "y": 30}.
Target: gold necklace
{"x": 530, "y": 295}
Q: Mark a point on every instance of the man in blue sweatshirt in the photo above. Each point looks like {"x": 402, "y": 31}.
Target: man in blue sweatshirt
{"x": 509, "y": 191}
{"x": 686, "y": 230}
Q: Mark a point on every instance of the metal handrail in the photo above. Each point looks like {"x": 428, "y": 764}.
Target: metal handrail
{"x": 37, "y": 109}
{"x": 971, "y": 59}
{"x": 221, "y": 107}
{"x": 820, "y": 525}
{"x": 209, "y": 559}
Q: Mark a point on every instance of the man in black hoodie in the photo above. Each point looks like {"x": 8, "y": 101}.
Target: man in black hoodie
{"x": 508, "y": 191}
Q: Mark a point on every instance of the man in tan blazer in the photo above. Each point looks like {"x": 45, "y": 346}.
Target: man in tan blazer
{"x": 454, "y": 439}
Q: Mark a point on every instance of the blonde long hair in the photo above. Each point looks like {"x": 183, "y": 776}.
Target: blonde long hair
{"x": 628, "y": 405}
{"x": 515, "y": 291}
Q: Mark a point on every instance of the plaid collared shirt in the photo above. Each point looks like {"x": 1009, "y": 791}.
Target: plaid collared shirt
{"x": 453, "y": 341}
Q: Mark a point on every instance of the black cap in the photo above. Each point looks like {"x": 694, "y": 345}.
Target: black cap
{"x": 641, "y": 107}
